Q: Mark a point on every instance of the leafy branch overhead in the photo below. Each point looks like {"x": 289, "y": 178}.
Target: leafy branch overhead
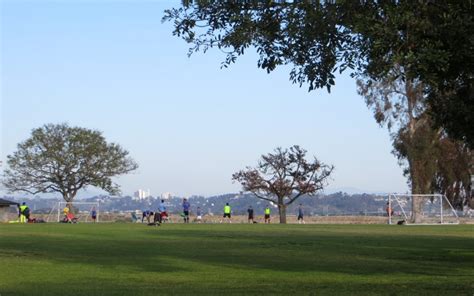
{"x": 433, "y": 40}
{"x": 282, "y": 33}
{"x": 59, "y": 158}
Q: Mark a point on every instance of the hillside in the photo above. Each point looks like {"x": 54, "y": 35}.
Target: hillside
{"x": 332, "y": 204}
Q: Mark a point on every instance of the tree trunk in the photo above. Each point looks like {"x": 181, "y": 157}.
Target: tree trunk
{"x": 282, "y": 212}
{"x": 69, "y": 198}
{"x": 413, "y": 161}
{"x": 421, "y": 184}
{"x": 420, "y": 153}
{"x": 416, "y": 188}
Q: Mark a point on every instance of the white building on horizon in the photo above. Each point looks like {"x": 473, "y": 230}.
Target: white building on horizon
{"x": 166, "y": 195}
{"x": 141, "y": 194}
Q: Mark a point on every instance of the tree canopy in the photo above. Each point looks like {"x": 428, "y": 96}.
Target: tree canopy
{"x": 284, "y": 176}
{"x": 64, "y": 159}
{"x": 432, "y": 39}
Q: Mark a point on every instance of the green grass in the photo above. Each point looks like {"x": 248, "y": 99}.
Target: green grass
{"x": 134, "y": 259}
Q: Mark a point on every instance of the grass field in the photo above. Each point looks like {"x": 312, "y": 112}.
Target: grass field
{"x": 134, "y": 259}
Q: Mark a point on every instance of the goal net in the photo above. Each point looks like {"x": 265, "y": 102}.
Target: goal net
{"x": 422, "y": 209}
{"x": 82, "y": 211}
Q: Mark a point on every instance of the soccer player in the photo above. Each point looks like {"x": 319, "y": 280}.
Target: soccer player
{"x": 300, "y": 214}
{"x": 227, "y": 212}
{"x": 24, "y": 213}
{"x": 186, "y": 206}
{"x": 147, "y": 214}
{"x": 162, "y": 210}
{"x": 267, "y": 214}
{"x": 250, "y": 212}
{"x": 94, "y": 215}
{"x": 198, "y": 215}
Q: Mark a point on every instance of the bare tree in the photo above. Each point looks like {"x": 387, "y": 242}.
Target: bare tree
{"x": 59, "y": 158}
{"x": 283, "y": 176}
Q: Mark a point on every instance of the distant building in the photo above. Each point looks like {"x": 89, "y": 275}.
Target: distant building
{"x": 166, "y": 195}
{"x": 141, "y": 194}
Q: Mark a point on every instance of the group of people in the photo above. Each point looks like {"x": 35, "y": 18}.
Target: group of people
{"x": 24, "y": 215}
{"x": 267, "y": 212}
{"x": 187, "y": 206}
{"x": 70, "y": 218}
{"x": 227, "y": 216}
{"x": 186, "y": 209}
{"x": 159, "y": 216}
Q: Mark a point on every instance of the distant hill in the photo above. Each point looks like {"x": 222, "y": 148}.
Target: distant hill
{"x": 338, "y": 203}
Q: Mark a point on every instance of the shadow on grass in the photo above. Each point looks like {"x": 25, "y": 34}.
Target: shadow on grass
{"x": 94, "y": 286}
{"x": 272, "y": 249}
{"x": 233, "y": 260}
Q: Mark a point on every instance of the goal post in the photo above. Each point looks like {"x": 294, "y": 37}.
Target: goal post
{"x": 81, "y": 210}
{"x": 421, "y": 209}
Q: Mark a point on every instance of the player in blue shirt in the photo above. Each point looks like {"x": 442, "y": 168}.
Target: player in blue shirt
{"x": 162, "y": 210}
{"x": 300, "y": 214}
{"x": 94, "y": 214}
{"x": 186, "y": 206}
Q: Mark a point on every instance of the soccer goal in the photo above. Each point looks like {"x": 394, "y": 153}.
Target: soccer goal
{"x": 82, "y": 211}
{"x": 421, "y": 209}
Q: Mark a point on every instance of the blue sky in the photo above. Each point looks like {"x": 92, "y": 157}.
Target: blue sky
{"x": 113, "y": 66}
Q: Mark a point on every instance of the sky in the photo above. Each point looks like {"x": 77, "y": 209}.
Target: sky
{"x": 115, "y": 67}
